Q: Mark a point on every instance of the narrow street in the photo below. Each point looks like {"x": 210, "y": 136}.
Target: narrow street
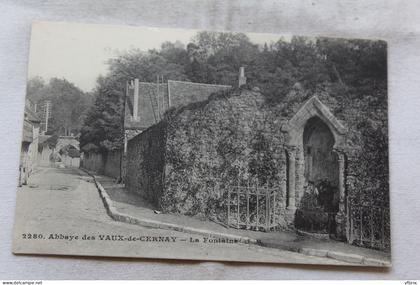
{"x": 63, "y": 205}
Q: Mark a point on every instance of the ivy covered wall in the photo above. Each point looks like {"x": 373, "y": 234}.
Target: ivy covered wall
{"x": 237, "y": 137}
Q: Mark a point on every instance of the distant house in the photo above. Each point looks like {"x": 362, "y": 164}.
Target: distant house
{"x": 29, "y": 148}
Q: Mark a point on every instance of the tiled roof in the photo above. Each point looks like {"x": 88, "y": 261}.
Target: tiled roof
{"x": 171, "y": 94}
{"x": 148, "y": 105}
{"x": 27, "y": 132}
{"x": 30, "y": 115}
{"x": 29, "y": 121}
{"x": 43, "y": 138}
{"x": 182, "y": 93}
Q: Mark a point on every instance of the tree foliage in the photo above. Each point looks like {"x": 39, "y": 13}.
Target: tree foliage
{"x": 354, "y": 67}
{"x": 69, "y": 104}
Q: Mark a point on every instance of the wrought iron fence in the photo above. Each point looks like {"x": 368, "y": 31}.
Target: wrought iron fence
{"x": 368, "y": 224}
{"x": 252, "y": 207}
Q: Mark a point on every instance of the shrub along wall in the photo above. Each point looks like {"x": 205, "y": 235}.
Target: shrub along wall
{"x": 227, "y": 139}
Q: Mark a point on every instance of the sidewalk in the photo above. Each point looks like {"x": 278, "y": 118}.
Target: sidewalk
{"x": 130, "y": 208}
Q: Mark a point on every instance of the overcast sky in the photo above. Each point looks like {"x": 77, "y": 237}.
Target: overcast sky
{"x": 79, "y": 52}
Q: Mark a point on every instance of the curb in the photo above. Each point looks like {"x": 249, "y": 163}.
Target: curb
{"x": 340, "y": 256}
{"x": 115, "y": 215}
{"x": 337, "y": 255}
{"x": 346, "y": 257}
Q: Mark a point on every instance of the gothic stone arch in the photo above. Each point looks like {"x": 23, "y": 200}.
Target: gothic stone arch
{"x": 294, "y": 129}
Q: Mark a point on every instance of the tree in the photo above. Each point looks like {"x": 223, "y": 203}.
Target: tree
{"x": 35, "y": 88}
{"x": 69, "y": 103}
{"x": 353, "y": 67}
{"x": 103, "y": 125}
{"x": 216, "y": 57}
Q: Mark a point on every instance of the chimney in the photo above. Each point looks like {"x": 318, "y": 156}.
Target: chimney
{"x": 242, "y": 78}
{"x": 136, "y": 100}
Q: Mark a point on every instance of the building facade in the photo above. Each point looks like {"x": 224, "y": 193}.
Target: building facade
{"x": 29, "y": 146}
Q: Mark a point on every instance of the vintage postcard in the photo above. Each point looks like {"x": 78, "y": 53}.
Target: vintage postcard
{"x": 186, "y": 144}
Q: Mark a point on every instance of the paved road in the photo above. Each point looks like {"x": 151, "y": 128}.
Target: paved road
{"x": 64, "y": 206}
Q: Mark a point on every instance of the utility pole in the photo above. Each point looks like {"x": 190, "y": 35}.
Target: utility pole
{"x": 242, "y": 78}
{"x": 157, "y": 97}
{"x": 136, "y": 100}
{"x": 127, "y": 88}
{"x": 169, "y": 95}
{"x": 47, "y": 114}
{"x": 163, "y": 97}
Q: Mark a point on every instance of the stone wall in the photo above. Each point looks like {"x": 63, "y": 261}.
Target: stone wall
{"x": 44, "y": 156}
{"x": 108, "y": 163}
{"x": 93, "y": 161}
{"x": 112, "y": 165}
{"x": 72, "y": 162}
{"x": 145, "y": 164}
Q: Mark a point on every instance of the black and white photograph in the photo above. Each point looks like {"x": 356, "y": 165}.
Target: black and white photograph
{"x": 186, "y": 144}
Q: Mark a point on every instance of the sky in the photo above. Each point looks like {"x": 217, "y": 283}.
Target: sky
{"x": 79, "y": 52}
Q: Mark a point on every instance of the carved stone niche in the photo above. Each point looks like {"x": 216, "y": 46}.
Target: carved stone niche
{"x": 313, "y": 109}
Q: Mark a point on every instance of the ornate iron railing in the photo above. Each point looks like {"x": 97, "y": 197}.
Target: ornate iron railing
{"x": 252, "y": 207}
{"x": 368, "y": 224}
